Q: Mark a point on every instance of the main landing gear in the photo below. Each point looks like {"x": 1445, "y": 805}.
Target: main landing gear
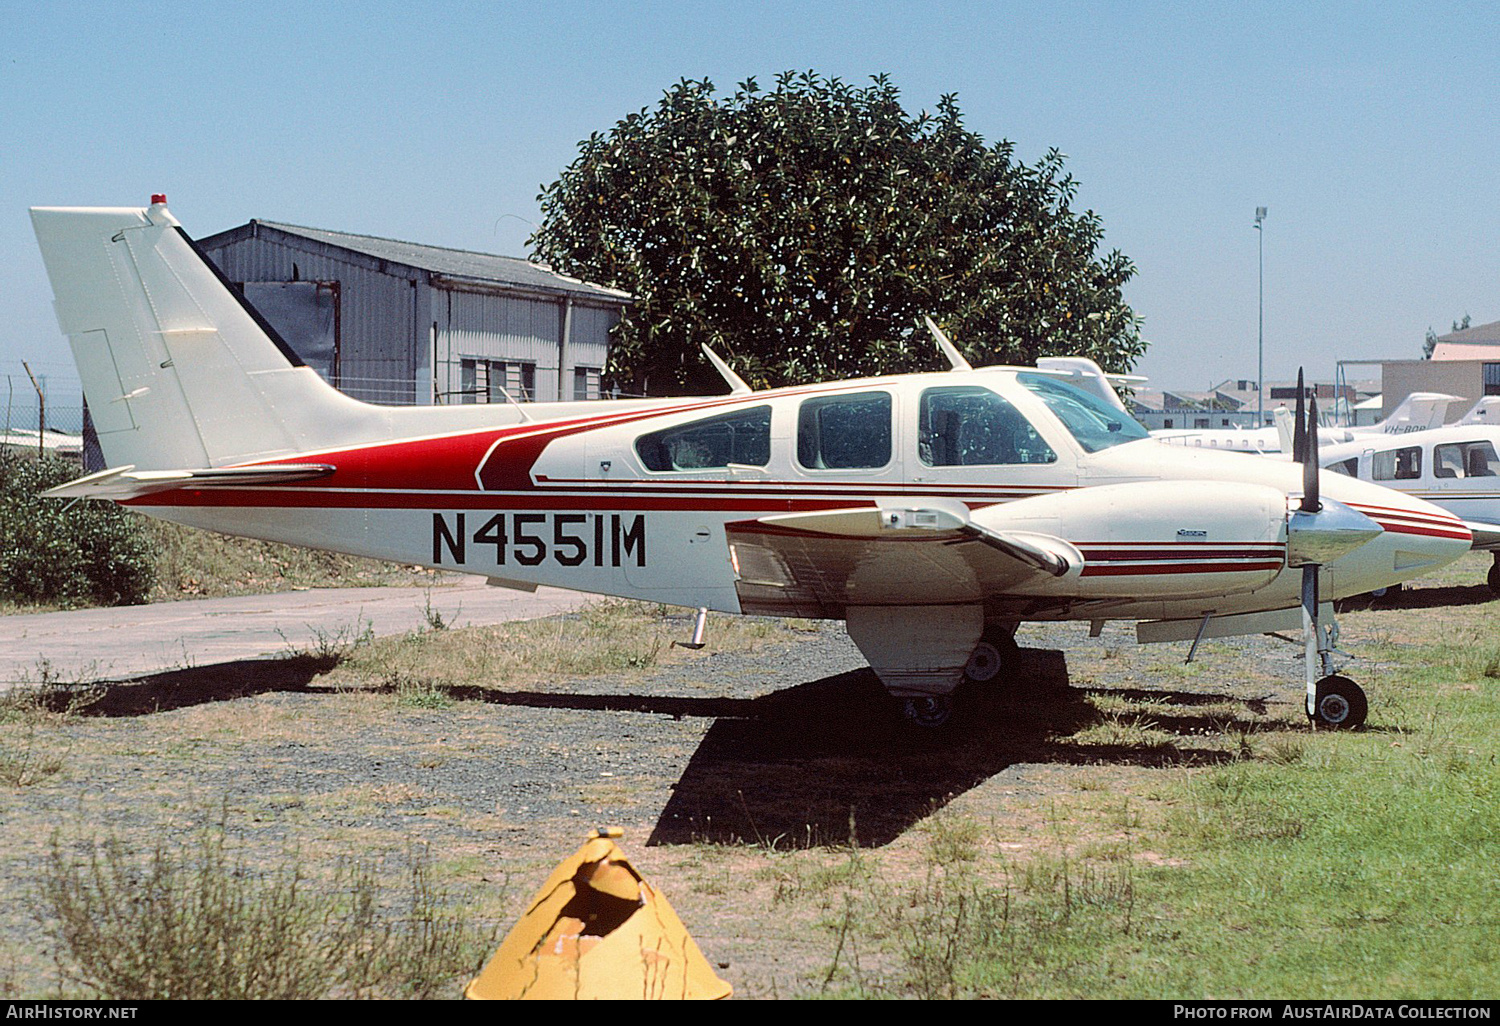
{"x": 990, "y": 656}
{"x": 1494, "y": 575}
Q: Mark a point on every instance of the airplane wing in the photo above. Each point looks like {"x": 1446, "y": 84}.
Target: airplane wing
{"x": 1486, "y": 535}
{"x": 817, "y": 564}
{"x": 128, "y": 483}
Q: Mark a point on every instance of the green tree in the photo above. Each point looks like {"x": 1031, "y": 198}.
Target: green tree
{"x": 804, "y": 232}
{"x": 1430, "y": 343}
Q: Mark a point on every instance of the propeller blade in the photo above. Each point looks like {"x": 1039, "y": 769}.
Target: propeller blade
{"x": 1310, "y": 503}
{"x": 1299, "y": 426}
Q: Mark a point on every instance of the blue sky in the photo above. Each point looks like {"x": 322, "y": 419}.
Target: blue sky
{"x": 1369, "y": 131}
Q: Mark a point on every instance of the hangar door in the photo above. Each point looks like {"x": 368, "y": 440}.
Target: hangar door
{"x": 306, "y": 313}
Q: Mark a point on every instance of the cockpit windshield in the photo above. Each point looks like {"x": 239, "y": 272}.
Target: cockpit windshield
{"x": 1093, "y": 422}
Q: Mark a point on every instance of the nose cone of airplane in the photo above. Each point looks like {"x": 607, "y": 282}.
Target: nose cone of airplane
{"x": 1323, "y": 536}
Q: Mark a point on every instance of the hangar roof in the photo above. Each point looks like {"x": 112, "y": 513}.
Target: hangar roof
{"x": 454, "y": 263}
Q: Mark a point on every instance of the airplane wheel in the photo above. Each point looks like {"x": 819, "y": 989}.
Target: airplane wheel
{"x": 1494, "y": 577}
{"x": 1340, "y": 704}
{"x": 989, "y": 657}
{"x": 928, "y": 711}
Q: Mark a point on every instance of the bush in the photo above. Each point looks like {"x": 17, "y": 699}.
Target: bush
{"x": 63, "y": 551}
{"x": 196, "y": 920}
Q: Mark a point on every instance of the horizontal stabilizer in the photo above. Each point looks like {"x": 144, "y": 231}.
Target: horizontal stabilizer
{"x": 129, "y": 483}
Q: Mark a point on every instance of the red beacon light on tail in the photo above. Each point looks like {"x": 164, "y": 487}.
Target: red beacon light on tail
{"x": 158, "y": 199}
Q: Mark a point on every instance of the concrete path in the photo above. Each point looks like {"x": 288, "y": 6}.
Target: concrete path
{"x": 90, "y": 644}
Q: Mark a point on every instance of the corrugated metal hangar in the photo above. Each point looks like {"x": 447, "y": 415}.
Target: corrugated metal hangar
{"x": 398, "y": 322}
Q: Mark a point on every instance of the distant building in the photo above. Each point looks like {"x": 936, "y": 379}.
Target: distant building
{"x": 399, "y": 322}
{"x": 1235, "y": 403}
{"x": 1465, "y": 363}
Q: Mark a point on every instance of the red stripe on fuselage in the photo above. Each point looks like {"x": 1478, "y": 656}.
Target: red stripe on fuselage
{"x": 1110, "y": 570}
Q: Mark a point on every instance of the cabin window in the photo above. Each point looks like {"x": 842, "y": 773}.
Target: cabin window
{"x": 845, "y": 432}
{"x": 1465, "y": 459}
{"x": 1397, "y": 464}
{"x": 742, "y": 437}
{"x": 1092, "y": 422}
{"x": 1349, "y": 467}
{"x": 967, "y": 426}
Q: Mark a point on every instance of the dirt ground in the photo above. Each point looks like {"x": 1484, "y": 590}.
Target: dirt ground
{"x": 739, "y": 779}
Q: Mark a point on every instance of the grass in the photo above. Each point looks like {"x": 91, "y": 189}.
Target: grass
{"x": 195, "y": 920}
{"x": 1313, "y": 865}
{"x": 609, "y": 636}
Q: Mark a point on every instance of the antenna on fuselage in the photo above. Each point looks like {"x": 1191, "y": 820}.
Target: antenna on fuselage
{"x": 737, "y": 384}
{"x": 956, "y": 359}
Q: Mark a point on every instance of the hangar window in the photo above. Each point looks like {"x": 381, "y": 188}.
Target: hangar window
{"x": 967, "y": 426}
{"x": 845, "y": 432}
{"x": 1397, "y": 464}
{"x": 742, "y": 437}
{"x": 1465, "y": 459}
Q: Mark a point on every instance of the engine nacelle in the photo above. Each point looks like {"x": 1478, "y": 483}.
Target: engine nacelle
{"x": 1187, "y": 539}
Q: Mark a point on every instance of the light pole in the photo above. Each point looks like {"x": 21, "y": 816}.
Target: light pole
{"x": 1260, "y": 345}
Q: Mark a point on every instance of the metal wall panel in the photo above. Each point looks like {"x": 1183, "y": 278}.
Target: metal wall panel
{"x": 377, "y": 343}
{"x": 401, "y": 339}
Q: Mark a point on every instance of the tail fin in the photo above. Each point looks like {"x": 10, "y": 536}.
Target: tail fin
{"x": 1416, "y": 412}
{"x": 178, "y": 371}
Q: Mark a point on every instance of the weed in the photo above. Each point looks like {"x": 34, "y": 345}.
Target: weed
{"x": 416, "y": 692}
{"x": 433, "y": 616}
{"x": 333, "y": 646}
{"x": 28, "y": 753}
{"x": 197, "y": 922}
{"x": 952, "y": 838}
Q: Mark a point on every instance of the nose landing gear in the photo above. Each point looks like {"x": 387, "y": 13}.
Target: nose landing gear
{"x": 1338, "y": 704}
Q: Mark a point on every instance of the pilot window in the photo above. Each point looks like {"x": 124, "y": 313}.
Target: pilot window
{"x": 1397, "y": 464}
{"x": 1349, "y": 467}
{"x": 1093, "y": 422}
{"x": 1465, "y": 459}
{"x": 845, "y": 432}
{"x": 743, "y": 437}
{"x": 966, "y": 426}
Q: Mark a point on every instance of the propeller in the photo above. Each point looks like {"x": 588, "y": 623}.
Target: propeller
{"x": 1310, "y": 503}
{"x": 1318, "y": 532}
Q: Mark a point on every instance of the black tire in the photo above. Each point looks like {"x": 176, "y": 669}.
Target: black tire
{"x": 990, "y": 657}
{"x": 1340, "y": 704}
{"x": 929, "y": 712}
{"x": 1494, "y": 577}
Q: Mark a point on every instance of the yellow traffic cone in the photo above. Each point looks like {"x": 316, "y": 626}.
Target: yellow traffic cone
{"x": 597, "y": 930}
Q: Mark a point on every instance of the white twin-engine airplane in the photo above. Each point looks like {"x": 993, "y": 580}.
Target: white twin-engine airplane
{"x": 930, "y": 512}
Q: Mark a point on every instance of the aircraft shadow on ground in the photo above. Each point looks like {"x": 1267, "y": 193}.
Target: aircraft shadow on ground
{"x": 196, "y": 685}
{"x": 825, "y": 761}
{"x": 1424, "y": 598}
